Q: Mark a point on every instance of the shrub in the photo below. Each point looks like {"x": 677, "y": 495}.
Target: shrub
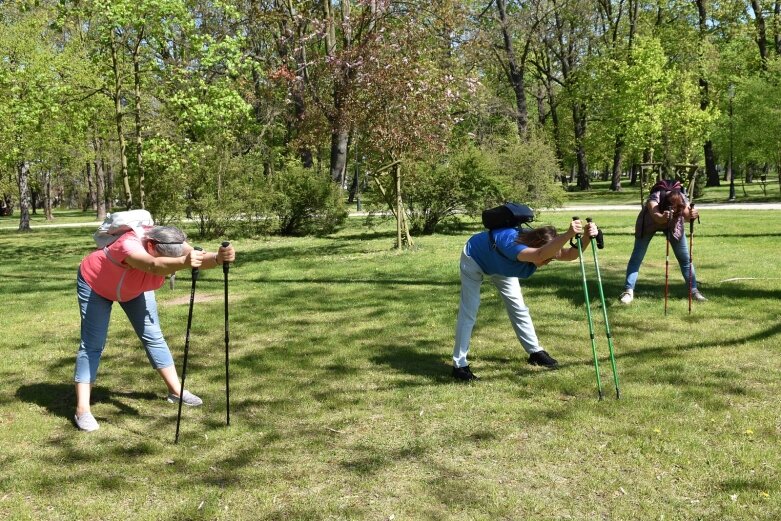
{"x": 471, "y": 179}
{"x": 305, "y": 202}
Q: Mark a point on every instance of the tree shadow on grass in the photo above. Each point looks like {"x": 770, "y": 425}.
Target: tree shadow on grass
{"x": 371, "y": 281}
{"x": 60, "y": 399}
{"x": 411, "y": 361}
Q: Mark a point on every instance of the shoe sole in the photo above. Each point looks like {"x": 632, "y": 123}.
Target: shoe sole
{"x": 537, "y": 364}
{"x": 474, "y": 379}
{"x": 82, "y": 429}
{"x": 185, "y": 403}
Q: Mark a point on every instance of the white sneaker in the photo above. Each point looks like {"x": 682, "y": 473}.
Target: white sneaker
{"x": 86, "y": 422}
{"x": 699, "y": 297}
{"x": 627, "y": 296}
{"x": 188, "y": 398}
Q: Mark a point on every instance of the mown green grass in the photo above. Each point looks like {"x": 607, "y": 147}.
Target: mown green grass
{"x": 342, "y": 404}
{"x": 600, "y": 193}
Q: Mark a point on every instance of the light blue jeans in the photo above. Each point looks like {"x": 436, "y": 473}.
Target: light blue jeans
{"x": 95, "y": 315}
{"x": 510, "y": 290}
{"x": 679, "y": 247}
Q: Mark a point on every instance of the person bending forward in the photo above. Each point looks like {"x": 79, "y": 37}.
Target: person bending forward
{"x": 128, "y": 271}
{"x": 662, "y": 212}
{"x": 504, "y": 256}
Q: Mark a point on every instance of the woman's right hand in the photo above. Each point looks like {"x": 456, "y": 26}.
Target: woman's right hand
{"x": 194, "y": 258}
{"x": 575, "y": 228}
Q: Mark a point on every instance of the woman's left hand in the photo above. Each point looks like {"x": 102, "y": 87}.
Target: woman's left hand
{"x": 593, "y": 231}
{"x": 226, "y": 254}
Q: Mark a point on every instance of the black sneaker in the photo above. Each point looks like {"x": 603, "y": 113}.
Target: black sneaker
{"x": 543, "y": 359}
{"x": 464, "y": 373}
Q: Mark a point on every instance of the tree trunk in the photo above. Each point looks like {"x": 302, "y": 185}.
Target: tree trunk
{"x": 711, "y": 175}
{"x": 618, "y": 150}
{"x": 555, "y": 123}
{"x": 339, "y": 140}
{"x": 34, "y": 200}
{"x": 137, "y": 119}
{"x": 118, "y": 115}
{"x": 109, "y": 184}
{"x": 579, "y": 120}
{"x": 777, "y": 25}
{"x": 23, "y": 172}
{"x": 515, "y": 73}
{"x": 100, "y": 182}
{"x": 761, "y": 38}
{"x": 91, "y": 202}
{"x": 339, "y": 134}
{"x": 47, "y": 195}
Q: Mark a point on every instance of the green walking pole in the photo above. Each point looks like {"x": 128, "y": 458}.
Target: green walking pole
{"x": 588, "y": 313}
{"x": 600, "y": 245}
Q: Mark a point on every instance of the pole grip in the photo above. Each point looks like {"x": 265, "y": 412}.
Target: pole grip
{"x": 196, "y": 271}
{"x": 600, "y": 238}
{"x": 225, "y": 265}
{"x": 577, "y": 236}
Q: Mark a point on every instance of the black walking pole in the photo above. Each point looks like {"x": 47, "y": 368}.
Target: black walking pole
{"x": 225, "y": 270}
{"x": 196, "y": 271}
{"x": 588, "y": 313}
{"x": 600, "y": 245}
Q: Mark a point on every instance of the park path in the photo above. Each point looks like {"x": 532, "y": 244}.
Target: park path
{"x": 11, "y": 224}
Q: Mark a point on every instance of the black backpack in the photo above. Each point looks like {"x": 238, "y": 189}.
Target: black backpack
{"x": 508, "y": 215}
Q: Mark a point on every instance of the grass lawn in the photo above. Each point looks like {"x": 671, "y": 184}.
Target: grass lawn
{"x": 600, "y": 193}
{"x": 341, "y": 402}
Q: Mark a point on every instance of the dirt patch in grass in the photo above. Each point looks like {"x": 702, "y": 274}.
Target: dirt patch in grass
{"x": 185, "y": 299}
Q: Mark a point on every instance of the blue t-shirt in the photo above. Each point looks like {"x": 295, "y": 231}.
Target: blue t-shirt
{"x": 492, "y": 262}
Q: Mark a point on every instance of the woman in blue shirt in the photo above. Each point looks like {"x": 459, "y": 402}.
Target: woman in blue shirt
{"x": 506, "y": 255}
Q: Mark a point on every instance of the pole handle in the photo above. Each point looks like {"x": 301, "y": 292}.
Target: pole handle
{"x": 698, "y": 217}
{"x": 600, "y": 238}
{"x": 577, "y": 236}
{"x": 225, "y": 265}
{"x": 196, "y": 271}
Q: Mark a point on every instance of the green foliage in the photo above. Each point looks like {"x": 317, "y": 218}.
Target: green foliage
{"x": 527, "y": 173}
{"x": 685, "y": 123}
{"x": 167, "y": 180}
{"x": 434, "y": 192}
{"x": 305, "y": 202}
{"x": 471, "y": 179}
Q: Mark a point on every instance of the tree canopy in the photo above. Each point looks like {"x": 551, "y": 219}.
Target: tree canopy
{"x": 223, "y": 109}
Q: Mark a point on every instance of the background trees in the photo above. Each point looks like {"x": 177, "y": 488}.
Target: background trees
{"x": 237, "y": 112}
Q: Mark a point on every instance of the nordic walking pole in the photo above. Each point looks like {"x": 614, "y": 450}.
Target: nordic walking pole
{"x": 225, "y": 270}
{"x": 600, "y": 244}
{"x": 195, "y": 274}
{"x": 691, "y": 248}
{"x": 667, "y": 267}
{"x": 588, "y": 313}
